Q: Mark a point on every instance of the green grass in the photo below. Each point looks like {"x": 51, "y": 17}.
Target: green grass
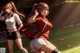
{"x": 66, "y": 40}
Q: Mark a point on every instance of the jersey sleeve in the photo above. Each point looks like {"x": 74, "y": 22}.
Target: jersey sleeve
{"x": 18, "y": 20}
{"x": 38, "y": 19}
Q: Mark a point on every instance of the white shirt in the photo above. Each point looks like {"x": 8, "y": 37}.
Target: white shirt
{"x": 11, "y": 22}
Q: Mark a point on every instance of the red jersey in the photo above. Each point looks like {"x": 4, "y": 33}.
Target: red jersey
{"x": 43, "y": 27}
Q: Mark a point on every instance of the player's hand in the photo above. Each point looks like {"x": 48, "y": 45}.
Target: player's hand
{"x": 36, "y": 12}
{"x": 2, "y": 11}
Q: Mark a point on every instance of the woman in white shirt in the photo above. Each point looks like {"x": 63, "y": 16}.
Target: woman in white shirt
{"x": 11, "y": 17}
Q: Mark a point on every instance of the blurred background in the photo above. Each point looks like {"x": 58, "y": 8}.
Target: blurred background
{"x": 65, "y": 17}
{"x": 62, "y": 13}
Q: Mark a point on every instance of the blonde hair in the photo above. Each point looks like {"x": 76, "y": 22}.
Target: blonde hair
{"x": 12, "y": 6}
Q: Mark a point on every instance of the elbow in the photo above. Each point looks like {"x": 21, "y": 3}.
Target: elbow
{"x": 21, "y": 25}
{"x": 31, "y": 21}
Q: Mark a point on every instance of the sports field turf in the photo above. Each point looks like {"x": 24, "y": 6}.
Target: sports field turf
{"x": 67, "y": 40}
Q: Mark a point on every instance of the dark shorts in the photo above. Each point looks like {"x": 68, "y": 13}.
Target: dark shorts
{"x": 13, "y": 35}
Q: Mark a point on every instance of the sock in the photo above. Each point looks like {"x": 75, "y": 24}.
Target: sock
{"x": 55, "y": 51}
{"x": 25, "y": 51}
{"x": 59, "y": 52}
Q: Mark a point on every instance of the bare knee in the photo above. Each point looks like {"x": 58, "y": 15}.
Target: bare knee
{"x": 10, "y": 46}
{"x": 10, "y": 50}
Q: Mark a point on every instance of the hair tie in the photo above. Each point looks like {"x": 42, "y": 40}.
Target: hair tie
{"x": 35, "y": 4}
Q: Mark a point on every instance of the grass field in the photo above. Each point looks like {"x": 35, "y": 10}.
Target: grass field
{"x": 67, "y": 40}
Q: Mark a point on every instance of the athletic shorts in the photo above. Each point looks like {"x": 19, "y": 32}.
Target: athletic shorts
{"x": 37, "y": 43}
{"x": 13, "y": 35}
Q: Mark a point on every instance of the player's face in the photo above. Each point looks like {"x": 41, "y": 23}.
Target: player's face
{"x": 44, "y": 12}
{"x": 8, "y": 10}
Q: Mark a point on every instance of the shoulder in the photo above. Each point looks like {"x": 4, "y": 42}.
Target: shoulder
{"x": 38, "y": 18}
{"x": 15, "y": 14}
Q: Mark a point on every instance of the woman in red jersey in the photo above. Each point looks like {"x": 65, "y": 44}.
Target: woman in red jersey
{"x": 39, "y": 40}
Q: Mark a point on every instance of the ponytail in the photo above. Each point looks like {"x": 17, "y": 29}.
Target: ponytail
{"x": 14, "y": 9}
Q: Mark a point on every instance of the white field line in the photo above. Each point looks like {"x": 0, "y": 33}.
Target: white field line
{"x": 73, "y": 49}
